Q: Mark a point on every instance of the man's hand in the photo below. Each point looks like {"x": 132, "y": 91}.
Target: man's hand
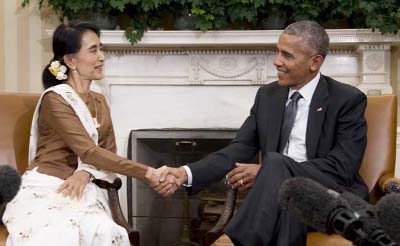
{"x": 180, "y": 175}
{"x": 243, "y": 176}
{"x": 74, "y": 185}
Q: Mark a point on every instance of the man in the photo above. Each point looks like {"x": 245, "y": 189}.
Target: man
{"x": 305, "y": 124}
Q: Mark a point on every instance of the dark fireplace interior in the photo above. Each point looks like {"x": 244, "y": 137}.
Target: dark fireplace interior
{"x": 161, "y": 221}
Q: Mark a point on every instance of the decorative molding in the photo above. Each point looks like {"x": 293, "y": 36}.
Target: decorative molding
{"x": 183, "y": 51}
{"x": 209, "y": 50}
{"x": 341, "y": 51}
{"x": 357, "y": 57}
{"x": 374, "y": 61}
{"x": 375, "y": 67}
{"x": 249, "y": 38}
{"x": 220, "y": 68}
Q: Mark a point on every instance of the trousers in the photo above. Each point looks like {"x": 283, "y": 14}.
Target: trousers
{"x": 260, "y": 221}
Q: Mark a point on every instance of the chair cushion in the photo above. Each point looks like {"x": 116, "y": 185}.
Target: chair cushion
{"x": 3, "y": 235}
{"x": 223, "y": 240}
{"x": 320, "y": 239}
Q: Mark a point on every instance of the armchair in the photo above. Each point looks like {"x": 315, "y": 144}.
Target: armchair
{"x": 16, "y": 111}
{"x": 377, "y": 170}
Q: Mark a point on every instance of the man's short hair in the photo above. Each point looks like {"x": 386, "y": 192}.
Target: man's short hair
{"x": 313, "y": 34}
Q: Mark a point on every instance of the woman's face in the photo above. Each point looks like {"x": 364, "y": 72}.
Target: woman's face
{"x": 89, "y": 60}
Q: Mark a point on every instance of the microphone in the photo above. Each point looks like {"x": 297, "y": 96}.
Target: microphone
{"x": 370, "y": 224}
{"x": 316, "y": 205}
{"x": 388, "y": 212}
{"x": 331, "y": 212}
{"x": 10, "y": 181}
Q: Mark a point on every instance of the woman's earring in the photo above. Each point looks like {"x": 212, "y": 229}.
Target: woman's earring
{"x": 74, "y": 69}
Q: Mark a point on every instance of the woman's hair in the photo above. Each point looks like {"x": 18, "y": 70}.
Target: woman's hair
{"x": 67, "y": 39}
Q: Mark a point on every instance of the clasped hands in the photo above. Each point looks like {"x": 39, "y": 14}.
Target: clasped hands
{"x": 166, "y": 180}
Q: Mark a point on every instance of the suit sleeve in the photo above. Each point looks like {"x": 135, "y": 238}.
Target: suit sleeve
{"x": 242, "y": 149}
{"x": 344, "y": 159}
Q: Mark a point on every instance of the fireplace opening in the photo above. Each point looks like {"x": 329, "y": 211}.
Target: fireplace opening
{"x": 173, "y": 220}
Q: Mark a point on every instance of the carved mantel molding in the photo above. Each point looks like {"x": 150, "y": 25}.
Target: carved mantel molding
{"x": 239, "y": 38}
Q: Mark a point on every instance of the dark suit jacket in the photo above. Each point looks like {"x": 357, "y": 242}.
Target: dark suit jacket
{"x": 335, "y": 138}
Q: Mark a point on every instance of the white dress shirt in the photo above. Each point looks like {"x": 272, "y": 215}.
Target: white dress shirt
{"x": 296, "y": 146}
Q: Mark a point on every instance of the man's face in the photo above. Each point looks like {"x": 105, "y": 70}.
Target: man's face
{"x": 296, "y": 64}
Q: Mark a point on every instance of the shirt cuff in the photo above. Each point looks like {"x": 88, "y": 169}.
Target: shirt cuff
{"x": 189, "y": 176}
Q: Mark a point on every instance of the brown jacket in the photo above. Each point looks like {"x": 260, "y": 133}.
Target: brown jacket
{"x": 62, "y": 138}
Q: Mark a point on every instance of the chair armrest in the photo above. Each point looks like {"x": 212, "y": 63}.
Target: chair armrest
{"x": 115, "y": 207}
{"x": 226, "y": 215}
{"x": 388, "y": 183}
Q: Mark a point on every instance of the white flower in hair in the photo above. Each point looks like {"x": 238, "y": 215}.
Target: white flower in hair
{"x": 58, "y": 70}
{"x": 61, "y": 76}
{"x": 55, "y": 64}
{"x": 63, "y": 69}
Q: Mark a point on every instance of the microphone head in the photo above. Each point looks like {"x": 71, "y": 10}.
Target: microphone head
{"x": 356, "y": 203}
{"x": 369, "y": 223}
{"x": 310, "y": 201}
{"x": 388, "y": 212}
{"x": 10, "y": 181}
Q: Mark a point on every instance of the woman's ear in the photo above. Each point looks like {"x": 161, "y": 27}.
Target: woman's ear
{"x": 69, "y": 60}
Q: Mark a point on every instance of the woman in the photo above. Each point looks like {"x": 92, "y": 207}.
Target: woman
{"x": 72, "y": 141}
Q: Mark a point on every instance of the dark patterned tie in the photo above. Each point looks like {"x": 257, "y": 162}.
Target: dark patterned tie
{"x": 288, "y": 121}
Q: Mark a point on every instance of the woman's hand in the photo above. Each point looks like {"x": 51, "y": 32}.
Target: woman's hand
{"x": 74, "y": 185}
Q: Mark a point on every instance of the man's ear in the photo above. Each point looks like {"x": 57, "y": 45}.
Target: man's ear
{"x": 69, "y": 60}
{"x": 316, "y": 63}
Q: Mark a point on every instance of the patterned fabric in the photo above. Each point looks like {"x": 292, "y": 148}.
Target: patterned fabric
{"x": 40, "y": 216}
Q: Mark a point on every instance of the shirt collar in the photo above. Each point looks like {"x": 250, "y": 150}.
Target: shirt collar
{"x": 308, "y": 89}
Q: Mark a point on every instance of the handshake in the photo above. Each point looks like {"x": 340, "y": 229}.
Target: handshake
{"x": 166, "y": 180}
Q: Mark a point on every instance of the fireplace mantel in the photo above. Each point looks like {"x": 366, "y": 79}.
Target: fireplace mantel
{"x": 248, "y": 38}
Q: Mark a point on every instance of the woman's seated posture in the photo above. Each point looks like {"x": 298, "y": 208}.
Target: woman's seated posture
{"x": 72, "y": 141}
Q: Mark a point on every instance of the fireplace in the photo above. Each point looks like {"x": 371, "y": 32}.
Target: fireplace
{"x": 161, "y": 220}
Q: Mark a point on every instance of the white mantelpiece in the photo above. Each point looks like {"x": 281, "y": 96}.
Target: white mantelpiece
{"x": 190, "y": 79}
{"x": 238, "y": 38}
{"x": 357, "y": 57}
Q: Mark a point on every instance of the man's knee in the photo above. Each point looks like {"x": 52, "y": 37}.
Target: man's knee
{"x": 273, "y": 162}
{"x": 276, "y": 164}
{"x": 273, "y": 157}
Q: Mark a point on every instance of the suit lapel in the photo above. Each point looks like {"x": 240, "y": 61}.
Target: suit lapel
{"x": 276, "y": 109}
{"x": 316, "y": 116}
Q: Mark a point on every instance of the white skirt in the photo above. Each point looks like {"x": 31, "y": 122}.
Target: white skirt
{"x": 38, "y": 216}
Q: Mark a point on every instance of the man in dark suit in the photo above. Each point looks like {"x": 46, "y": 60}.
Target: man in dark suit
{"x": 305, "y": 124}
